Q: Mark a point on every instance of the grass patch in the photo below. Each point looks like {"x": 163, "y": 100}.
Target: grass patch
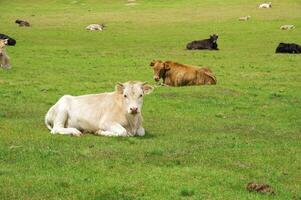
{"x": 202, "y": 142}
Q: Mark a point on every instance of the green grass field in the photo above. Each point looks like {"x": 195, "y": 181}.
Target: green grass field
{"x": 202, "y": 142}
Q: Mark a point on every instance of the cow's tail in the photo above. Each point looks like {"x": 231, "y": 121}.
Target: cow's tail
{"x": 49, "y": 118}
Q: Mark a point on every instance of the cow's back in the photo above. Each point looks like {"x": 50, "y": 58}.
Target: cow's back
{"x": 86, "y": 111}
{"x": 288, "y": 48}
{"x": 198, "y": 44}
{"x": 184, "y": 75}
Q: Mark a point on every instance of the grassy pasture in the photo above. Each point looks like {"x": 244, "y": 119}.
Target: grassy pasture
{"x": 203, "y": 142}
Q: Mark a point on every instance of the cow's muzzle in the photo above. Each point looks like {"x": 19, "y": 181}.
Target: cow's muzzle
{"x": 134, "y": 110}
{"x": 156, "y": 78}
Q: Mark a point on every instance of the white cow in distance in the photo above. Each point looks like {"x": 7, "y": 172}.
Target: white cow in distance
{"x": 115, "y": 113}
{"x": 95, "y": 27}
{"x": 287, "y": 27}
{"x": 265, "y": 5}
{"x": 244, "y": 18}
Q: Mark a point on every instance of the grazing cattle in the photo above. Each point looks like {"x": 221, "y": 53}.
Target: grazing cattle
{"x": 287, "y": 27}
{"x": 265, "y": 5}
{"x": 245, "y": 18}
{"x": 116, "y": 113}
{"x": 176, "y": 74}
{"x": 22, "y": 23}
{"x": 4, "y": 59}
{"x": 10, "y": 41}
{"x": 204, "y": 44}
{"x": 288, "y": 48}
{"x": 95, "y": 27}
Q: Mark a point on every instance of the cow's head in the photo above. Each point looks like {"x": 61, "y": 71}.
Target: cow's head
{"x": 18, "y": 21}
{"x": 2, "y": 45}
{"x": 159, "y": 68}
{"x": 132, "y": 95}
{"x": 213, "y": 38}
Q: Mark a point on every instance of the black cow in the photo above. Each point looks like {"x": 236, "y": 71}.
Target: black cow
{"x": 288, "y": 48}
{"x": 10, "y": 42}
{"x": 204, "y": 44}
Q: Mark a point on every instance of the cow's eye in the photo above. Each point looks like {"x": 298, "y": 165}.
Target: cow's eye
{"x": 140, "y": 95}
{"x": 125, "y": 96}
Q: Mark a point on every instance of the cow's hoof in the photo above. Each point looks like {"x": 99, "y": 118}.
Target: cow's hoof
{"x": 140, "y": 131}
{"x": 76, "y": 134}
{"x": 123, "y": 133}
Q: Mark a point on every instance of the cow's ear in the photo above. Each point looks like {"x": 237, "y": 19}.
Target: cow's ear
{"x": 147, "y": 89}
{"x": 5, "y": 41}
{"x": 119, "y": 88}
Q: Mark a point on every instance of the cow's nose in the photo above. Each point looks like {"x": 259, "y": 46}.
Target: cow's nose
{"x": 156, "y": 78}
{"x": 134, "y": 110}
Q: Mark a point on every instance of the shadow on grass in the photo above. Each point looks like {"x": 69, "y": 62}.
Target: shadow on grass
{"x": 146, "y": 136}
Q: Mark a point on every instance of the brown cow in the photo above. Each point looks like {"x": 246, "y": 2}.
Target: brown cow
{"x": 176, "y": 74}
{"x": 4, "y": 59}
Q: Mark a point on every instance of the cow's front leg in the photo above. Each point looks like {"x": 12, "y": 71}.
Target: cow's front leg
{"x": 66, "y": 131}
{"x": 140, "y": 131}
{"x": 59, "y": 123}
{"x": 113, "y": 129}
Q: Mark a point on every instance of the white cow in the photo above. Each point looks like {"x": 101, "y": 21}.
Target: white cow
{"x": 266, "y": 5}
{"x": 116, "y": 113}
{"x": 95, "y": 27}
{"x": 287, "y": 27}
{"x": 244, "y": 18}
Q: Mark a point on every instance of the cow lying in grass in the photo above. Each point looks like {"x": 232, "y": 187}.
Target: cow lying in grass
{"x": 287, "y": 27}
{"x": 176, "y": 74}
{"x": 244, "y": 18}
{"x": 4, "y": 59}
{"x": 116, "y": 113}
{"x": 288, "y": 48}
{"x": 209, "y": 44}
{"x": 22, "y": 23}
{"x": 95, "y": 27}
{"x": 265, "y": 5}
{"x": 10, "y": 41}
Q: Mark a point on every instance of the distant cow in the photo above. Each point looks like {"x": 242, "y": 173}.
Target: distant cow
{"x": 287, "y": 27}
{"x": 176, "y": 74}
{"x": 95, "y": 27}
{"x": 10, "y": 41}
{"x": 288, "y": 48}
{"x": 4, "y": 59}
{"x": 204, "y": 44}
{"x": 244, "y": 18}
{"x": 22, "y": 23}
{"x": 265, "y": 5}
{"x": 110, "y": 114}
